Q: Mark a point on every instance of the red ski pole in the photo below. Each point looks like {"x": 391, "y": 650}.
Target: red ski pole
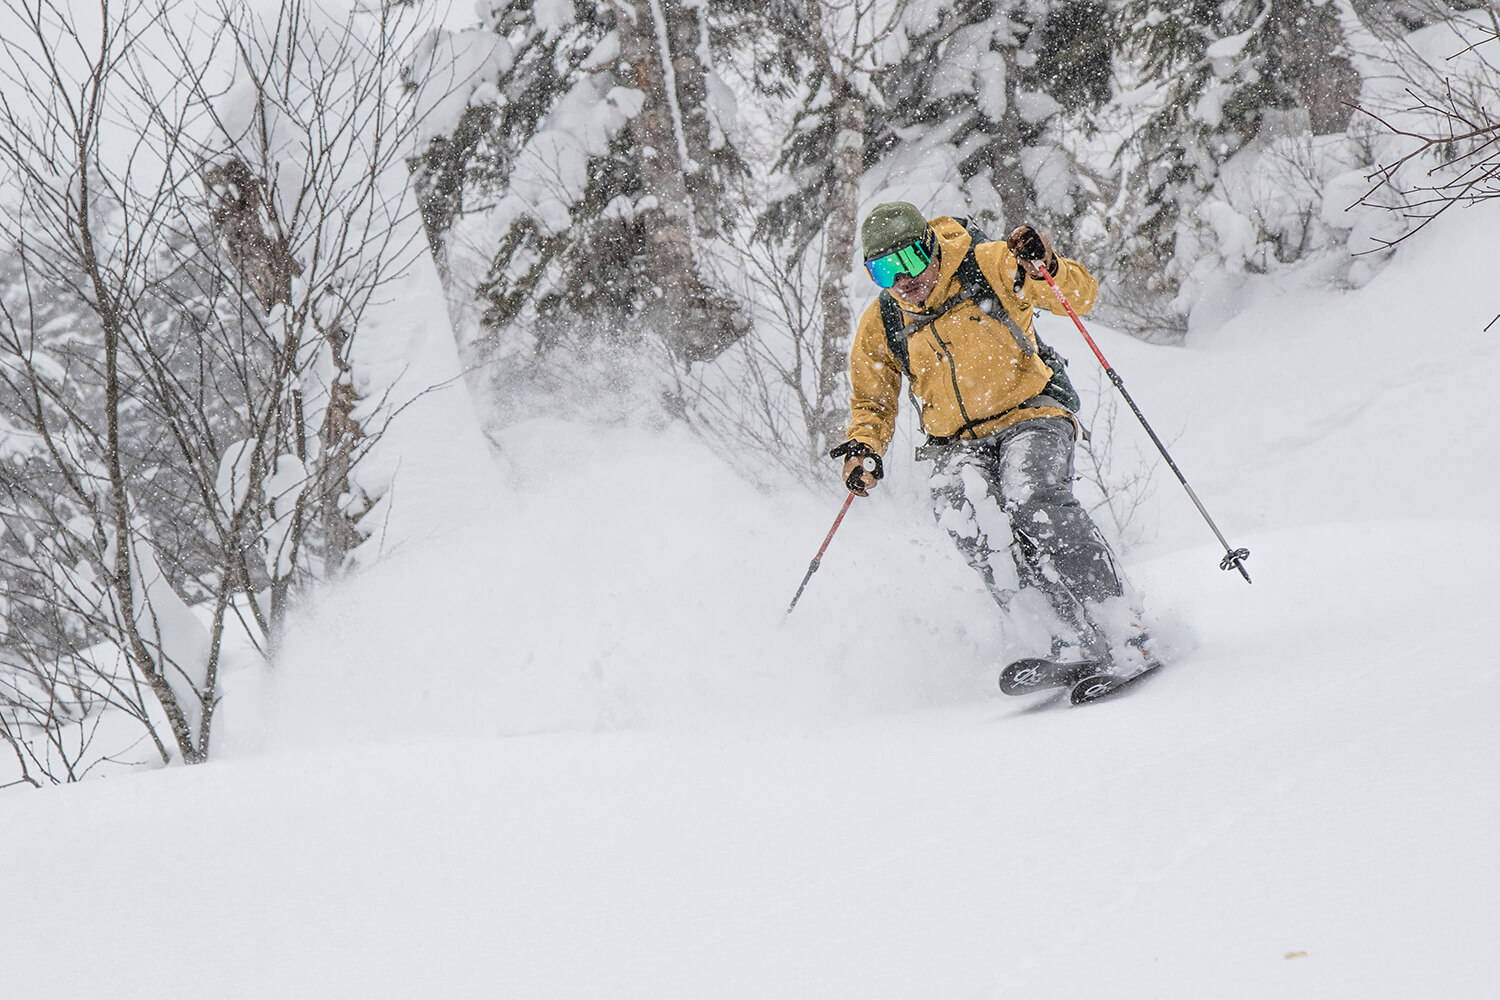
{"x": 1233, "y": 558}
{"x": 813, "y": 566}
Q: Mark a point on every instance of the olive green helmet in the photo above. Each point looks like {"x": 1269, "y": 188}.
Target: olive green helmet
{"x": 890, "y": 226}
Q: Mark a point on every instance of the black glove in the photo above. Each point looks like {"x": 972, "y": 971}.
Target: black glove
{"x": 860, "y": 460}
{"x": 1031, "y": 248}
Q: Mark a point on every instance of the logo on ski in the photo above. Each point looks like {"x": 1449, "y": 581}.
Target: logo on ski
{"x": 1087, "y": 680}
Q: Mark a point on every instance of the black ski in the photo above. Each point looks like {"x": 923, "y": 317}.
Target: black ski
{"x": 1036, "y": 674}
{"x": 1105, "y": 682}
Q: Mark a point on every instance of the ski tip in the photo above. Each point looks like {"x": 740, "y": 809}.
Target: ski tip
{"x": 1092, "y": 688}
{"x": 1037, "y": 674}
{"x": 1103, "y": 684}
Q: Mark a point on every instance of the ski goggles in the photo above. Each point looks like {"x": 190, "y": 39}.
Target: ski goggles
{"x": 911, "y": 259}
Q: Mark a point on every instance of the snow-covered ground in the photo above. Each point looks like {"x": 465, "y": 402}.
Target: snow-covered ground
{"x": 560, "y": 742}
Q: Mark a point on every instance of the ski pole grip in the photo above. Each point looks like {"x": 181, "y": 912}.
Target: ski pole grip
{"x": 869, "y": 462}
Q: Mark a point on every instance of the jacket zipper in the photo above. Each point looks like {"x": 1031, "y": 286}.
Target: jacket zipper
{"x": 958, "y": 396}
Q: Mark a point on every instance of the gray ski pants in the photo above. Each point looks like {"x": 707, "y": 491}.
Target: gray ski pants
{"x": 1013, "y": 493}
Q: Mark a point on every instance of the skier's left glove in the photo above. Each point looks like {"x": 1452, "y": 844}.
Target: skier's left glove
{"x": 1032, "y": 248}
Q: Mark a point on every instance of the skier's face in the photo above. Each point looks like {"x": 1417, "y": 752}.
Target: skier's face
{"x": 916, "y": 288}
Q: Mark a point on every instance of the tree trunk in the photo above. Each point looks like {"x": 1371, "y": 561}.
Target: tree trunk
{"x": 839, "y": 241}
{"x": 687, "y": 42}
{"x": 698, "y": 323}
{"x": 342, "y": 437}
{"x": 1005, "y": 157}
{"x": 245, "y": 219}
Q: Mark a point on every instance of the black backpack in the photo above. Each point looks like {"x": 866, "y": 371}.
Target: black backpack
{"x": 976, "y": 288}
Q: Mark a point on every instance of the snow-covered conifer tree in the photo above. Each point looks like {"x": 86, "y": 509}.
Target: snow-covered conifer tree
{"x": 572, "y": 186}
{"x": 986, "y": 91}
{"x": 1210, "y": 78}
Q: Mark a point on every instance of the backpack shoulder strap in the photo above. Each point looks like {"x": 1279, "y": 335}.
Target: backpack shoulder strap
{"x": 978, "y": 288}
{"x": 894, "y": 321}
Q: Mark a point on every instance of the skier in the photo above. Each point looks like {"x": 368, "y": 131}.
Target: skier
{"x": 955, "y": 317}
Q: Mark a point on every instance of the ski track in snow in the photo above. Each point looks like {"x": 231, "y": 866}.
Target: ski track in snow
{"x": 561, "y": 742}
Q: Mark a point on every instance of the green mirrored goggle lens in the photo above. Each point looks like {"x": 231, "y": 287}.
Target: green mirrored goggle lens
{"x": 911, "y": 259}
{"x": 885, "y": 270}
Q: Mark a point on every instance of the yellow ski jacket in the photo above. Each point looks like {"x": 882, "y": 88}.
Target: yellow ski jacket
{"x": 969, "y": 372}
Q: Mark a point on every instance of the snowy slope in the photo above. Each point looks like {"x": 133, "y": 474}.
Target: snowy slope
{"x": 559, "y": 742}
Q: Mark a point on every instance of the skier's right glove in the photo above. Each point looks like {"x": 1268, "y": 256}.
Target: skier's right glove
{"x": 862, "y": 467}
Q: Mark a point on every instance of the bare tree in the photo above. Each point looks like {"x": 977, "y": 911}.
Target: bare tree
{"x": 203, "y": 208}
{"x": 844, "y": 37}
{"x": 1453, "y": 124}
{"x": 766, "y": 392}
{"x": 838, "y": 45}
